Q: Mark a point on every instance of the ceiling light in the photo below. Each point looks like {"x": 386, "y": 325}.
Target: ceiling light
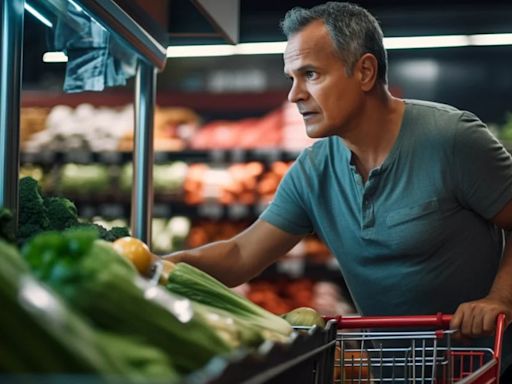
{"x": 409, "y": 42}
{"x": 55, "y": 57}
{"x": 426, "y": 41}
{"x": 226, "y": 50}
{"x": 34, "y": 12}
{"x": 491, "y": 39}
{"x": 261, "y": 48}
{"x": 200, "y": 50}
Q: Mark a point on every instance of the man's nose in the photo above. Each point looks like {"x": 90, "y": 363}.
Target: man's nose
{"x": 297, "y": 93}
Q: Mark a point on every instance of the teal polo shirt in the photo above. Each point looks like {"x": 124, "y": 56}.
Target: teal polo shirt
{"x": 416, "y": 237}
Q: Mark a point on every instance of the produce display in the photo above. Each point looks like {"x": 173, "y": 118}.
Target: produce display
{"x": 197, "y": 183}
{"x": 87, "y": 127}
{"x": 243, "y": 183}
{"x": 96, "y": 281}
{"x": 41, "y": 332}
{"x": 167, "y": 178}
{"x": 83, "y": 179}
{"x": 38, "y": 213}
{"x": 64, "y": 286}
{"x": 82, "y": 128}
{"x": 188, "y": 281}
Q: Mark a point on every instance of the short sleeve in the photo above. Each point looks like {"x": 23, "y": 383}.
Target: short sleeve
{"x": 483, "y": 168}
{"x": 287, "y": 210}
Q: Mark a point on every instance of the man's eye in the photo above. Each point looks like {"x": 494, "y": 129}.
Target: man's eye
{"x": 310, "y": 75}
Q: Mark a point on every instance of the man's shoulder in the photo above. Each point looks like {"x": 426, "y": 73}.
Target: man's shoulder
{"x": 432, "y": 108}
{"x": 438, "y": 118}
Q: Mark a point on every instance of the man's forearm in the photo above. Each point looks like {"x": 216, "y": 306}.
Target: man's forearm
{"x": 502, "y": 287}
{"x": 221, "y": 259}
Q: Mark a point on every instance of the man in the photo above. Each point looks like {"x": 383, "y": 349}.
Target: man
{"x": 409, "y": 196}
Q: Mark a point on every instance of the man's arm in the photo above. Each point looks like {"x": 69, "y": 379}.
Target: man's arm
{"x": 478, "y": 318}
{"x": 242, "y": 257}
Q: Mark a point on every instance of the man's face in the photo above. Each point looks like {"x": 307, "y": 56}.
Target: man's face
{"x": 326, "y": 97}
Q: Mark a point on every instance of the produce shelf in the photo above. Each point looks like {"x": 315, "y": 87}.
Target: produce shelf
{"x": 88, "y": 208}
{"x": 307, "y": 359}
{"x": 267, "y": 155}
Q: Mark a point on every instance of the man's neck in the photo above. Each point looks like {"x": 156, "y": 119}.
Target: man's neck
{"x": 376, "y": 133}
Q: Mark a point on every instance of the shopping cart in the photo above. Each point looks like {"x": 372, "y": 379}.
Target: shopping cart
{"x": 392, "y": 350}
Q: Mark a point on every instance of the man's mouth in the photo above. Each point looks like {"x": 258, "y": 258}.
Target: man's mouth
{"x": 306, "y": 114}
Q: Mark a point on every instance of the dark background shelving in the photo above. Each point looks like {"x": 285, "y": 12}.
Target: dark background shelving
{"x": 473, "y": 78}
{"x": 221, "y": 156}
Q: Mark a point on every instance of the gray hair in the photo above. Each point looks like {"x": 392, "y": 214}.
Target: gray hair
{"x": 353, "y": 30}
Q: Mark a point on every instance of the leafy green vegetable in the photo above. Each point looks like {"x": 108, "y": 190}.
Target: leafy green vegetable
{"x": 39, "y": 213}
{"x": 33, "y": 214}
{"x": 43, "y": 335}
{"x": 62, "y": 213}
{"x": 7, "y": 230}
{"x": 105, "y": 287}
{"x": 116, "y": 233}
{"x": 190, "y": 282}
{"x": 106, "y": 234}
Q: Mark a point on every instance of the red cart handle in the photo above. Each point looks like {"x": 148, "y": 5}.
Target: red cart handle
{"x": 498, "y": 341}
{"x": 348, "y": 322}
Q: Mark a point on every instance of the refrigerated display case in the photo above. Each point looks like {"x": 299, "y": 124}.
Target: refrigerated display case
{"x": 150, "y": 55}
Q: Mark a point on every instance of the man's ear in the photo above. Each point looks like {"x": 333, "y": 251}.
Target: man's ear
{"x": 367, "y": 67}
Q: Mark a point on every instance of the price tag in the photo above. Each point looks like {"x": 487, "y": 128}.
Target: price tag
{"x": 87, "y": 211}
{"x": 218, "y": 156}
{"x": 274, "y": 155}
{"x": 238, "y": 211}
{"x": 161, "y": 157}
{"x": 269, "y": 155}
{"x": 46, "y": 157}
{"x": 161, "y": 210}
{"x": 238, "y": 155}
{"x": 111, "y": 210}
{"x": 80, "y": 157}
{"x": 110, "y": 157}
{"x": 210, "y": 210}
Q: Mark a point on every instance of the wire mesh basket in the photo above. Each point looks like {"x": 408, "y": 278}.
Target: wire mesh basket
{"x": 384, "y": 350}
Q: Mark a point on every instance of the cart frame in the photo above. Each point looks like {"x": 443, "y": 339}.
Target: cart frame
{"x": 481, "y": 365}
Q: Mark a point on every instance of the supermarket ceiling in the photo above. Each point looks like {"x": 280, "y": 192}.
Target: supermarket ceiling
{"x": 259, "y": 20}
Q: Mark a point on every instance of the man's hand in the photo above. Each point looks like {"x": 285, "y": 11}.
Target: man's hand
{"x": 478, "y": 318}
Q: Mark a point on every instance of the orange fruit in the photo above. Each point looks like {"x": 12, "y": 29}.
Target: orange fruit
{"x": 355, "y": 363}
{"x": 136, "y": 251}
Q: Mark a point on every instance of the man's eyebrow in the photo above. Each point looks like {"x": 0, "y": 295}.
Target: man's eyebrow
{"x": 302, "y": 69}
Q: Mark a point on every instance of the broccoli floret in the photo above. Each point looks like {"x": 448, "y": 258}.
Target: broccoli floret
{"x": 33, "y": 215}
{"x": 62, "y": 213}
{"x": 116, "y": 233}
{"x": 100, "y": 230}
{"x": 103, "y": 233}
{"x": 7, "y": 230}
{"x": 39, "y": 213}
